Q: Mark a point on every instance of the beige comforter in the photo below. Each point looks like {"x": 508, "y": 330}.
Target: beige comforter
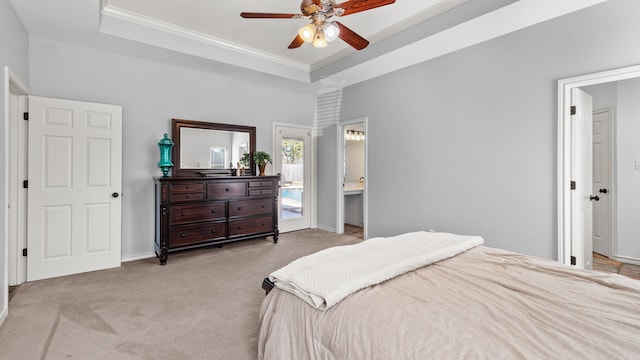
{"x": 482, "y": 304}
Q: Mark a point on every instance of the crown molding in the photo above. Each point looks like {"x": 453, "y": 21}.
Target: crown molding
{"x": 119, "y": 22}
{"x": 513, "y": 17}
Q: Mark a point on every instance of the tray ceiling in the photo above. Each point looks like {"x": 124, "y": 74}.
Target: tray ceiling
{"x": 210, "y": 35}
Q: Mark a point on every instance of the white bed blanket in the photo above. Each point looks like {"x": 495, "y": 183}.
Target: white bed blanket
{"x": 324, "y": 278}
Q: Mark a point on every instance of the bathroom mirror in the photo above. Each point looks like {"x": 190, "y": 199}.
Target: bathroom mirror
{"x": 210, "y": 149}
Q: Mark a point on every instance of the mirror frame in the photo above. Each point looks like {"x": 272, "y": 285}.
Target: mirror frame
{"x": 178, "y": 124}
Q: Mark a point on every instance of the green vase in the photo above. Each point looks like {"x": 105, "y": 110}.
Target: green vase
{"x": 165, "y": 163}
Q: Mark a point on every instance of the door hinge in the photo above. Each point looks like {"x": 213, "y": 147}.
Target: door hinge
{"x": 573, "y": 185}
{"x": 573, "y": 260}
{"x": 24, "y": 252}
{"x": 573, "y": 110}
{"x": 25, "y": 184}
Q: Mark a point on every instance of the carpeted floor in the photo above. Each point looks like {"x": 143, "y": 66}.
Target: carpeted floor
{"x": 202, "y": 305}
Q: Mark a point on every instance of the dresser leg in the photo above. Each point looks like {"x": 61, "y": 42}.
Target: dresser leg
{"x": 275, "y": 236}
{"x": 163, "y": 257}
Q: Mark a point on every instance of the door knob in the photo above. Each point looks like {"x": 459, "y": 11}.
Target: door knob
{"x": 596, "y": 198}
{"x": 115, "y": 195}
{"x": 604, "y": 191}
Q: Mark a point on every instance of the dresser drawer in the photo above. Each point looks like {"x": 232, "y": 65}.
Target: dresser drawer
{"x": 197, "y": 212}
{"x": 265, "y": 183}
{"x": 251, "y": 226}
{"x": 185, "y": 187}
{"x": 229, "y": 189}
{"x": 186, "y": 191}
{"x": 183, "y": 235}
{"x": 187, "y": 197}
{"x": 259, "y": 192}
{"x": 250, "y": 207}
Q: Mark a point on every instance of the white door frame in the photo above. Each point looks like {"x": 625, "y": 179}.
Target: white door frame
{"x": 565, "y": 239}
{"x": 312, "y": 167}
{"x": 15, "y": 239}
{"x": 340, "y": 178}
{"x": 13, "y": 86}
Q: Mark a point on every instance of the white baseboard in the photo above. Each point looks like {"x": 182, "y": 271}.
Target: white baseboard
{"x": 326, "y": 228}
{"x": 139, "y": 257}
{"x": 626, "y": 259}
{"x": 4, "y": 314}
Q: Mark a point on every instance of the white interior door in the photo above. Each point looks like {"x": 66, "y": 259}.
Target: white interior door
{"x": 602, "y": 181}
{"x": 75, "y": 180}
{"x": 293, "y": 162}
{"x": 581, "y": 174}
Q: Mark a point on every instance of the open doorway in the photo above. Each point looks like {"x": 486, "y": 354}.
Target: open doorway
{"x": 616, "y": 194}
{"x": 293, "y": 160}
{"x": 352, "y": 178}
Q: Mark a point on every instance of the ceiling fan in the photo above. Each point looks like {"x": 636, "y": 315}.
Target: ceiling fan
{"x": 321, "y": 31}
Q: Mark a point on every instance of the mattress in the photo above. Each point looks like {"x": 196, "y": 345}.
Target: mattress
{"x": 484, "y": 303}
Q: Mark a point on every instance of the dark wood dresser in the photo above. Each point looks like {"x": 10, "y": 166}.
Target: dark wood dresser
{"x": 201, "y": 211}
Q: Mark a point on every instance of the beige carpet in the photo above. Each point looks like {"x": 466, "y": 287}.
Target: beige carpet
{"x": 202, "y": 305}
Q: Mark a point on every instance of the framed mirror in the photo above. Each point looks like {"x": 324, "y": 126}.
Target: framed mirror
{"x": 209, "y": 149}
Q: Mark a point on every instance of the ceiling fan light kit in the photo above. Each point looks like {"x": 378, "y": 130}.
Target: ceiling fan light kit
{"x": 319, "y": 40}
{"x": 320, "y": 31}
{"x": 307, "y": 32}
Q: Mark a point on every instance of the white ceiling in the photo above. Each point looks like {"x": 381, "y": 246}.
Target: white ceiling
{"x": 220, "y": 22}
{"x": 210, "y": 35}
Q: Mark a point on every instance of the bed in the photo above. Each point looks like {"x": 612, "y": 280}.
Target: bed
{"x": 482, "y": 303}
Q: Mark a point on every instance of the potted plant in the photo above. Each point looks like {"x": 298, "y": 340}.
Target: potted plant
{"x": 244, "y": 162}
{"x": 261, "y": 158}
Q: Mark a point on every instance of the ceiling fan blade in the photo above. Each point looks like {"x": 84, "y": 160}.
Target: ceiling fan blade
{"x": 296, "y": 43}
{"x": 255, "y": 15}
{"x": 351, "y": 38}
{"x": 356, "y": 6}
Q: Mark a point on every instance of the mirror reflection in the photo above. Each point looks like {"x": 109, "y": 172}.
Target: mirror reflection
{"x": 211, "y": 149}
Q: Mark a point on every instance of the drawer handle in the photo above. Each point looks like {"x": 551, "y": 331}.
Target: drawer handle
{"x": 213, "y": 211}
{"x": 260, "y": 184}
{"x": 262, "y": 206}
{"x": 187, "y": 196}
{"x": 239, "y": 208}
{"x": 239, "y": 227}
{"x": 227, "y": 189}
{"x": 183, "y": 214}
{"x": 186, "y": 187}
{"x": 213, "y": 231}
{"x": 183, "y": 235}
{"x": 262, "y": 224}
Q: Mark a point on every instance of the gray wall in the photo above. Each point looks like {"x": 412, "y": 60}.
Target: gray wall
{"x": 481, "y": 128}
{"x": 327, "y": 174}
{"x": 151, "y": 94}
{"x": 14, "y": 54}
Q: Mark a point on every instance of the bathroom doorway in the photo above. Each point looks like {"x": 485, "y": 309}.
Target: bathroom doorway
{"x": 352, "y": 177}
